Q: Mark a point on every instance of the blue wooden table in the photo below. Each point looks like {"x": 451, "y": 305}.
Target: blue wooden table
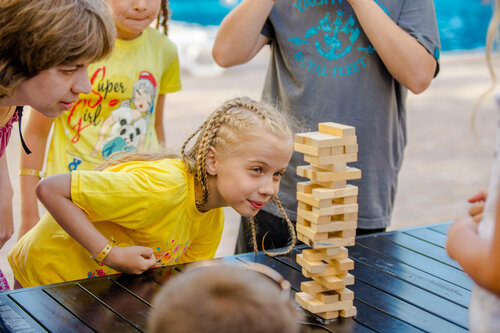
{"x": 405, "y": 282}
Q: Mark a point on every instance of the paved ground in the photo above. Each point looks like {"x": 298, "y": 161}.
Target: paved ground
{"x": 444, "y": 161}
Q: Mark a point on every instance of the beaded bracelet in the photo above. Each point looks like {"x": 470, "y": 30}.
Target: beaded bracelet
{"x": 104, "y": 252}
{"x": 31, "y": 172}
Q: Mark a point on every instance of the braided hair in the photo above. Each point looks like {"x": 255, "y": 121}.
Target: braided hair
{"x": 222, "y": 130}
{"x": 162, "y": 19}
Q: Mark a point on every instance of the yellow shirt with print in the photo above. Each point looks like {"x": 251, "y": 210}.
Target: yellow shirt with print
{"x": 137, "y": 203}
{"x": 122, "y": 104}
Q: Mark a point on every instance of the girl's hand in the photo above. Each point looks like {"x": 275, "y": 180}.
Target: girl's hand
{"x": 130, "y": 259}
{"x": 478, "y": 200}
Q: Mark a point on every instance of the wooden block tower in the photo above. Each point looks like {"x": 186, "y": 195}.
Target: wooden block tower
{"x": 327, "y": 219}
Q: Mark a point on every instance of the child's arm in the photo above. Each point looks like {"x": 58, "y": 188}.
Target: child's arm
{"x": 479, "y": 258}
{"x": 160, "y": 130}
{"x": 35, "y": 133}
{"x": 6, "y": 193}
{"x": 55, "y": 193}
{"x": 239, "y": 39}
{"x": 406, "y": 59}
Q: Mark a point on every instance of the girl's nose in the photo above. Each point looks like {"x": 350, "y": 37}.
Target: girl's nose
{"x": 268, "y": 188}
{"x": 140, "y": 5}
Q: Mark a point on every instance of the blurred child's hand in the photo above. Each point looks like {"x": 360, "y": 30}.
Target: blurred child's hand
{"x": 478, "y": 200}
{"x": 130, "y": 259}
{"x": 458, "y": 232}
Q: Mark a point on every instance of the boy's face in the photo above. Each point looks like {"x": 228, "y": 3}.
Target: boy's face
{"x": 132, "y": 17}
{"x": 249, "y": 178}
{"x": 54, "y": 90}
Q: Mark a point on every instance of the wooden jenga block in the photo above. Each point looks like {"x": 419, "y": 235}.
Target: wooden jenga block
{"x": 324, "y": 203}
{"x": 317, "y": 175}
{"x": 333, "y": 209}
{"x": 329, "y": 271}
{"x": 327, "y": 219}
{"x": 312, "y": 150}
{"x": 332, "y": 159}
{"x": 313, "y": 287}
{"x": 313, "y": 266}
{"x": 321, "y": 140}
{"x": 345, "y": 294}
{"x": 335, "y": 282}
{"x": 337, "y": 129}
{"x": 337, "y": 167}
{"x": 329, "y": 296}
{"x": 349, "y": 149}
{"x": 328, "y": 315}
{"x": 329, "y": 227}
{"x": 319, "y": 236}
{"x": 327, "y": 193}
{"x": 349, "y": 312}
{"x": 325, "y": 254}
{"x": 314, "y": 305}
{"x": 331, "y": 242}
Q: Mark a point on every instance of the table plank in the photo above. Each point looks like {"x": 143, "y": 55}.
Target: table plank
{"x": 89, "y": 309}
{"x": 44, "y": 308}
{"x": 424, "y": 300}
{"x": 381, "y": 321}
{"x": 141, "y": 286}
{"x": 402, "y": 310}
{"x": 418, "y": 261}
{"x": 403, "y": 271}
{"x": 14, "y": 319}
{"x": 441, "y": 227}
{"x": 428, "y": 235}
{"x": 420, "y": 246}
{"x": 119, "y": 300}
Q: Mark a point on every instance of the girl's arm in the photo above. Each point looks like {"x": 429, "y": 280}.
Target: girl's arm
{"x": 6, "y": 193}
{"x": 55, "y": 193}
{"x": 405, "y": 58}
{"x": 35, "y": 133}
{"x": 239, "y": 39}
{"x": 159, "y": 127}
{"x": 479, "y": 258}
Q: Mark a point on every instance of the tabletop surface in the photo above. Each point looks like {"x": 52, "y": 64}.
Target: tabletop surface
{"x": 405, "y": 282}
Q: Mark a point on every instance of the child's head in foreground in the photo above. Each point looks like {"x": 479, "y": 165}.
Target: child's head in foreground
{"x": 223, "y": 298}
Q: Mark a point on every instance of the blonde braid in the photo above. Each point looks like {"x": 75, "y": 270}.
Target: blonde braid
{"x": 291, "y": 229}
{"x": 162, "y": 18}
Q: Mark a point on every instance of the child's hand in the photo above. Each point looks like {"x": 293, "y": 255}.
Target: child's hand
{"x": 478, "y": 200}
{"x": 457, "y": 232}
{"x": 130, "y": 259}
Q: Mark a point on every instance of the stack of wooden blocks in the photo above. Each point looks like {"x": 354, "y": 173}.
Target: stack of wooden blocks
{"x": 327, "y": 219}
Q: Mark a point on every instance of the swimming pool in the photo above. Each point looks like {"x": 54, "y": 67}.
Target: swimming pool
{"x": 462, "y": 23}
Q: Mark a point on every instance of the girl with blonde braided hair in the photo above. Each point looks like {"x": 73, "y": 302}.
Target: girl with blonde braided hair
{"x": 143, "y": 210}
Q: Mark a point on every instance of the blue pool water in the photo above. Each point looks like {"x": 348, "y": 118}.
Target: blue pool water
{"x": 462, "y": 23}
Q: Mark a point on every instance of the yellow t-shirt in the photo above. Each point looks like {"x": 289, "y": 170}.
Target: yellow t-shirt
{"x": 137, "y": 203}
{"x": 119, "y": 113}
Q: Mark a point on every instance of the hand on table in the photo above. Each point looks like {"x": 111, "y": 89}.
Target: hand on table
{"x": 130, "y": 259}
{"x": 458, "y": 232}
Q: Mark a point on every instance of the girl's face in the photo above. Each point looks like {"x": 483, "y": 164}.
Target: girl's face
{"x": 54, "y": 90}
{"x": 133, "y": 16}
{"x": 248, "y": 179}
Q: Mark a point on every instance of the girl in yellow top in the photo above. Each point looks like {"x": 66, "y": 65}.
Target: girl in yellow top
{"x": 135, "y": 215}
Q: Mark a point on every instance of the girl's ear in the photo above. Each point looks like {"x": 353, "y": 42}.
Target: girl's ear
{"x": 211, "y": 161}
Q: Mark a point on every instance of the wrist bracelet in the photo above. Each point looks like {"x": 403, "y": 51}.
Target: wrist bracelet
{"x": 31, "y": 172}
{"x": 104, "y": 252}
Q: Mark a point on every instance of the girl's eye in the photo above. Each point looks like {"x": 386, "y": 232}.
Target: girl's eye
{"x": 68, "y": 71}
{"x": 278, "y": 174}
{"x": 256, "y": 170}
